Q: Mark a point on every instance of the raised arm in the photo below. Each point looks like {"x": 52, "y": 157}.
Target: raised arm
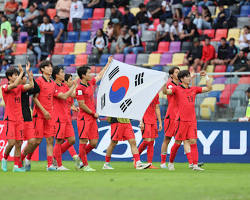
{"x": 39, "y": 105}
{"x": 167, "y": 91}
{"x": 158, "y": 114}
{"x": 208, "y": 82}
{"x": 100, "y": 75}
{"x": 67, "y": 94}
{"x": 30, "y": 74}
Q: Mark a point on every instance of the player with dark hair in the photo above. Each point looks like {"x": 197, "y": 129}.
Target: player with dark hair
{"x": 63, "y": 125}
{"x": 86, "y": 120}
{"x": 13, "y": 117}
{"x": 186, "y": 124}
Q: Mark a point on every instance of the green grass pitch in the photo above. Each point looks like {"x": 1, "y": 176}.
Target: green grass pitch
{"x": 218, "y": 182}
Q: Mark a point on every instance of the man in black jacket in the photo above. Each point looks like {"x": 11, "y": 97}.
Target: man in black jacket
{"x": 223, "y": 53}
{"x": 142, "y": 17}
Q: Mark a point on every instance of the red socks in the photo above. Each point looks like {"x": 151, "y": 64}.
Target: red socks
{"x": 150, "y": 151}
{"x": 29, "y": 155}
{"x": 195, "y": 154}
{"x": 58, "y": 154}
{"x": 6, "y": 156}
{"x": 65, "y": 146}
{"x": 82, "y": 154}
{"x": 89, "y": 148}
{"x": 72, "y": 151}
{"x": 136, "y": 157}
{"x": 50, "y": 160}
{"x": 142, "y": 146}
{"x": 174, "y": 150}
{"x": 16, "y": 160}
{"x": 107, "y": 159}
{"x": 163, "y": 158}
{"x": 22, "y": 156}
{"x": 189, "y": 157}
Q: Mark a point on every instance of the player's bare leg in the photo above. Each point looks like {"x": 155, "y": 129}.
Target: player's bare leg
{"x": 195, "y": 154}
{"x": 58, "y": 155}
{"x": 10, "y": 145}
{"x": 49, "y": 149}
{"x": 173, "y": 153}
{"x": 83, "y": 155}
{"x": 164, "y": 148}
{"x": 18, "y": 166}
{"x": 136, "y": 155}
{"x": 108, "y": 155}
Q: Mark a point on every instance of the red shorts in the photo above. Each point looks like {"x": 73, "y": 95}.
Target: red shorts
{"x": 122, "y": 132}
{"x": 28, "y": 130}
{"x": 13, "y": 130}
{"x": 87, "y": 129}
{"x": 169, "y": 127}
{"x": 185, "y": 130}
{"x": 150, "y": 131}
{"x": 64, "y": 130}
{"x": 43, "y": 128}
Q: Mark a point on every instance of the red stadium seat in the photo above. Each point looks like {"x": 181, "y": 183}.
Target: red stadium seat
{"x": 51, "y": 12}
{"x": 121, "y": 9}
{"x": 68, "y": 48}
{"x": 80, "y": 60}
{"x": 200, "y": 31}
{"x": 226, "y": 95}
{"x": 209, "y": 33}
{"x": 163, "y": 47}
{"x": 96, "y": 69}
{"x": 220, "y": 33}
{"x": 58, "y": 48}
{"x": 70, "y": 27}
{"x": 25, "y": 3}
{"x": 20, "y": 49}
{"x": 98, "y": 13}
{"x": 156, "y": 23}
{"x": 244, "y": 80}
{"x": 86, "y": 25}
{"x": 220, "y": 68}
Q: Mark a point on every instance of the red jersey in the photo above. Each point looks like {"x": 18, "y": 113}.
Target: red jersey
{"x": 86, "y": 93}
{"x": 150, "y": 114}
{"x": 70, "y": 101}
{"x": 172, "y": 105}
{"x": 45, "y": 96}
{"x": 185, "y": 99}
{"x": 60, "y": 105}
{"x": 13, "y": 105}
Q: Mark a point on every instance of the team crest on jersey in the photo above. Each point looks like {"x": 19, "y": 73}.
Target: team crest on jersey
{"x": 170, "y": 86}
{"x": 4, "y": 86}
{"x": 79, "y": 92}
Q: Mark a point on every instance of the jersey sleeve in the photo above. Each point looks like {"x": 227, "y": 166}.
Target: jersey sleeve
{"x": 198, "y": 90}
{"x": 5, "y": 88}
{"x": 93, "y": 81}
{"x": 21, "y": 88}
{"x": 174, "y": 89}
{"x": 79, "y": 94}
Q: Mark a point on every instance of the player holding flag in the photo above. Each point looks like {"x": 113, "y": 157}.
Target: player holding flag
{"x": 186, "y": 124}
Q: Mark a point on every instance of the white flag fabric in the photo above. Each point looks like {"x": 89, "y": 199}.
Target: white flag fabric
{"x": 126, "y": 91}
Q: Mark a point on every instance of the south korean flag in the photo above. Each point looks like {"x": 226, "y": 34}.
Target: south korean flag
{"x": 126, "y": 91}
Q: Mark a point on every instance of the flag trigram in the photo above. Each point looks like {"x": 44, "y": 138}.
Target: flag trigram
{"x": 113, "y": 72}
{"x": 125, "y": 104}
{"x": 103, "y": 101}
{"x": 139, "y": 79}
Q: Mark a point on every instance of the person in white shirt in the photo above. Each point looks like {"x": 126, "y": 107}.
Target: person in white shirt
{"x": 76, "y": 13}
{"x": 162, "y": 31}
{"x": 175, "y": 31}
{"x": 100, "y": 43}
{"x": 6, "y": 43}
{"x": 47, "y": 38}
{"x": 20, "y": 17}
{"x": 244, "y": 39}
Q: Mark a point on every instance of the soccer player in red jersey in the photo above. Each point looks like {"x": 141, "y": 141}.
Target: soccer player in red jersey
{"x": 86, "y": 119}
{"x": 186, "y": 124}
{"x": 149, "y": 129}
{"x": 13, "y": 117}
{"x": 43, "y": 111}
{"x": 64, "y": 128}
{"x": 121, "y": 130}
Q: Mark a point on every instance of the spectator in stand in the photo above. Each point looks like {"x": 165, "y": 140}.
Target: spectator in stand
{"x": 109, "y": 3}
{"x": 6, "y": 43}
{"x": 10, "y": 9}
{"x": 244, "y": 39}
{"x": 42, "y": 13}
{"x": 175, "y": 31}
{"x": 134, "y": 43}
{"x": 223, "y": 17}
{"x": 176, "y": 4}
{"x": 142, "y": 18}
{"x": 233, "y": 50}
{"x": 244, "y": 3}
{"x": 47, "y": 39}
{"x": 15, "y": 34}
{"x": 178, "y": 15}
{"x": 32, "y": 15}
{"x": 240, "y": 63}
{"x": 76, "y": 13}
{"x": 45, "y": 4}
{"x": 223, "y": 53}
{"x": 116, "y": 15}
{"x": 203, "y": 21}
{"x": 166, "y": 9}
{"x": 121, "y": 41}
{"x": 5, "y": 25}
{"x": 205, "y": 3}
{"x": 110, "y": 32}
{"x": 154, "y": 8}
{"x": 194, "y": 55}
{"x": 189, "y": 30}
{"x": 5, "y": 65}
{"x": 63, "y": 11}
{"x": 31, "y": 56}
{"x": 162, "y": 31}
{"x": 100, "y": 43}
{"x": 31, "y": 29}
{"x": 59, "y": 29}
{"x": 128, "y": 18}
{"x": 96, "y": 4}
{"x": 208, "y": 53}
{"x": 1, "y": 15}
{"x": 19, "y": 19}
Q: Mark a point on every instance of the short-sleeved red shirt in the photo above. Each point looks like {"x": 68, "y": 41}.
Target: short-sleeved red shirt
{"x": 45, "y": 96}
{"x": 13, "y": 105}
{"x": 60, "y": 105}
{"x": 86, "y": 93}
{"x": 150, "y": 115}
{"x": 185, "y": 99}
{"x": 172, "y": 105}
